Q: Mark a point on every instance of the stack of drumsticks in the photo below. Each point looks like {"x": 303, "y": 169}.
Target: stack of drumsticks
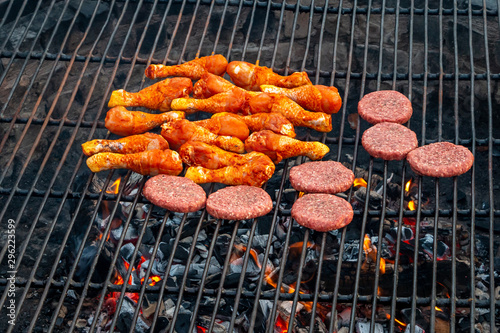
{"x": 255, "y": 113}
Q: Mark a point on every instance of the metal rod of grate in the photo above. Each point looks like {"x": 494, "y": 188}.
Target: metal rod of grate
{"x": 300, "y": 41}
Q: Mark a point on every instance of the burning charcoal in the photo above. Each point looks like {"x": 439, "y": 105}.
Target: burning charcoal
{"x": 285, "y": 309}
{"x": 132, "y": 233}
{"x": 345, "y": 317}
{"x": 364, "y": 327}
{"x": 125, "y": 316}
{"x": 418, "y": 329}
{"x": 183, "y": 318}
{"x": 375, "y": 198}
{"x": 427, "y": 244}
{"x": 127, "y": 252}
{"x": 481, "y": 295}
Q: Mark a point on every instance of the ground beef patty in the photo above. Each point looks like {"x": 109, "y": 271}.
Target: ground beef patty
{"x": 239, "y": 203}
{"x": 322, "y": 212}
{"x": 177, "y": 194}
{"x": 385, "y": 106}
{"x": 321, "y": 177}
{"x": 440, "y": 159}
{"x": 389, "y": 141}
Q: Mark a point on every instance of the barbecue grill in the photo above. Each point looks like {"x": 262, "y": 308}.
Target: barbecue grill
{"x": 91, "y": 253}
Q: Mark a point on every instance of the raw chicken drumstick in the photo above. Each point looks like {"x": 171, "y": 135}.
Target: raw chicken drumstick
{"x": 264, "y": 102}
{"x": 313, "y": 98}
{"x": 150, "y": 162}
{"x": 178, "y": 132}
{"x": 122, "y": 122}
{"x": 251, "y": 77}
{"x": 211, "y": 164}
{"x": 228, "y": 124}
{"x": 229, "y": 101}
{"x": 279, "y": 147}
{"x": 155, "y": 97}
{"x": 128, "y": 145}
{"x": 193, "y": 69}
{"x": 210, "y": 84}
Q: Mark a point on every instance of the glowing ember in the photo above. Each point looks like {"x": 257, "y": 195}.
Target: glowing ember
{"x": 301, "y": 194}
{"x": 438, "y": 309}
{"x": 408, "y": 186}
{"x": 359, "y": 182}
{"x": 370, "y": 251}
{"x": 200, "y": 329}
{"x": 412, "y": 205}
{"x": 281, "y": 325}
{"x": 113, "y": 189}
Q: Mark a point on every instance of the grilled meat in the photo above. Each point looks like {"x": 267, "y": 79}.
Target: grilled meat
{"x": 150, "y": 162}
{"x": 251, "y": 77}
{"x": 128, "y": 145}
{"x": 178, "y": 132}
{"x": 122, "y": 122}
{"x": 279, "y": 147}
{"x": 193, "y": 69}
{"x": 158, "y": 96}
{"x": 313, "y": 98}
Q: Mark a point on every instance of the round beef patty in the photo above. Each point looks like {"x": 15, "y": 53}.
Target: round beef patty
{"x": 239, "y": 202}
{"x": 321, "y": 177}
{"x": 389, "y": 141}
{"x": 440, "y": 159}
{"x": 177, "y": 194}
{"x": 385, "y": 106}
{"x": 322, "y": 212}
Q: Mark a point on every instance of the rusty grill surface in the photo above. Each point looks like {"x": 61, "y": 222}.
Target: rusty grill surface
{"x": 60, "y": 61}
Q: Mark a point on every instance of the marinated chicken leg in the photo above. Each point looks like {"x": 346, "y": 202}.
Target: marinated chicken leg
{"x": 228, "y": 124}
{"x": 273, "y": 121}
{"x": 210, "y": 84}
{"x": 313, "y": 98}
{"x": 228, "y": 101}
{"x": 257, "y": 169}
{"x": 178, "y": 132}
{"x": 251, "y": 77}
{"x": 264, "y": 102}
{"x": 193, "y": 69}
{"x": 150, "y": 162}
{"x": 122, "y": 122}
{"x": 279, "y": 147}
{"x": 155, "y": 97}
{"x": 128, "y": 145}
{"x": 195, "y": 153}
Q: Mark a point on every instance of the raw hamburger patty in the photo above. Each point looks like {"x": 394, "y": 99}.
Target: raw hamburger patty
{"x": 389, "y": 141}
{"x": 239, "y": 203}
{"x": 321, "y": 177}
{"x": 177, "y": 194}
{"x": 385, "y": 106}
{"x": 440, "y": 159}
{"x": 322, "y": 212}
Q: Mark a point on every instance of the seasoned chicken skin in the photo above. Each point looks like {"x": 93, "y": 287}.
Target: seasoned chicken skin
{"x": 128, "y": 145}
{"x": 158, "y": 96}
{"x": 279, "y": 147}
{"x": 178, "y": 132}
{"x": 211, "y": 164}
{"x": 193, "y": 69}
{"x": 150, "y": 162}
{"x": 229, "y": 101}
{"x": 228, "y": 124}
{"x": 313, "y": 98}
{"x": 210, "y": 84}
{"x": 264, "y": 102}
{"x": 122, "y": 122}
{"x": 251, "y": 77}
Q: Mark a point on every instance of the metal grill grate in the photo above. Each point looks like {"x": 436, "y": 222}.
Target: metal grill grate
{"x": 60, "y": 60}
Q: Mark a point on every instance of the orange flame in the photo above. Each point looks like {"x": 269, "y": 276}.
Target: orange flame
{"x": 371, "y": 251}
{"x": 113, "y": 189}
{"x": 360, "y": 182}
{"x": 438, "y": 309}
{"x": 400, "y": 323}
{"x": 412, "y": 205}
{"x": 281, "y": 325}
{"x": 408, "y": 186}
